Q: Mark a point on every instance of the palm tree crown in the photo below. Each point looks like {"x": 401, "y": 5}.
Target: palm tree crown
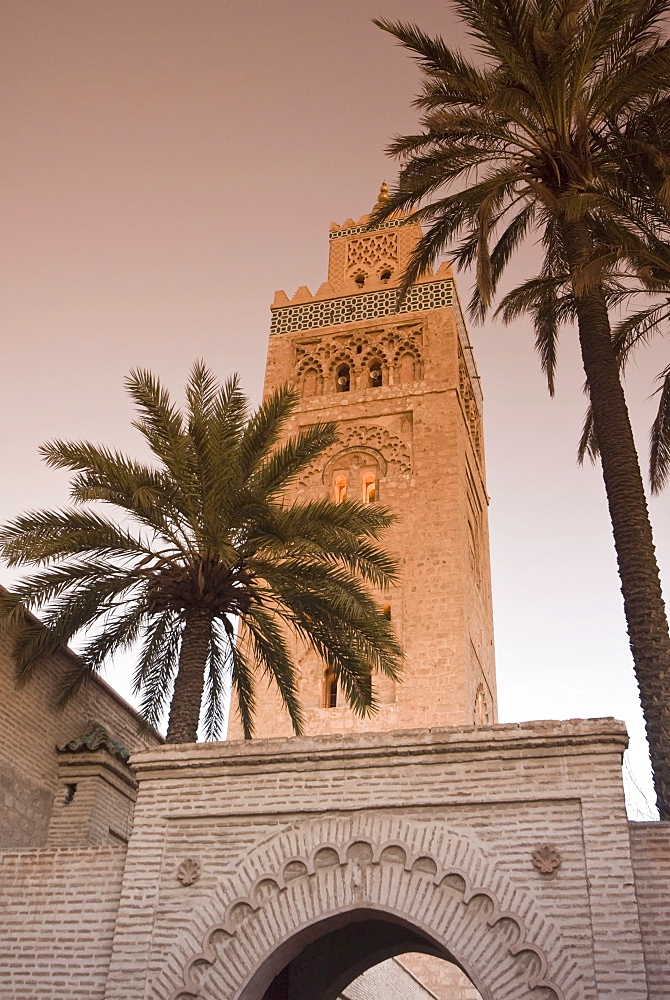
{"x": 201, "y": 538}
{"x": 531, "y": 140}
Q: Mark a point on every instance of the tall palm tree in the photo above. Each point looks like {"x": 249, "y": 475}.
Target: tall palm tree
{"x": 527, "y": 140}
{"x": 200, "y": 537}
{"x": 634, "y": 261}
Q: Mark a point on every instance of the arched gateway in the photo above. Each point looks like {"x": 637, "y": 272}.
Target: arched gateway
{"x": 504, "y": 848}
{"x": 317, "y": 905}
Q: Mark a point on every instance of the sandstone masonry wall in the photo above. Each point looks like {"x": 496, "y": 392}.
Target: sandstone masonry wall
{"x": 444, "y": 980}
{"x": 388, "y": 981}
{"x": 409, "y": 423}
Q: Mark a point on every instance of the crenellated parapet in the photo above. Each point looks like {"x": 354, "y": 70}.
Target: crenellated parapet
{"x": 363, "y": 260}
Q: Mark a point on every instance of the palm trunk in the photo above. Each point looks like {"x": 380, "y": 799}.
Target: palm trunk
{"x": 640, "y": 584}
{"x": 190, "y": 680}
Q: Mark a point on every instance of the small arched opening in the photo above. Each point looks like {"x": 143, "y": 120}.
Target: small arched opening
{"x": 375, "y": 375}
{"x": 311, "y": 382}
{"x": 407, "y": 368}
{"x": 481, "y": 714}
{"x": 340, "y": 489}
{"x": 343, "y": 378}
{"x": 329, "y": 688}
{"x": 369, "y": 487}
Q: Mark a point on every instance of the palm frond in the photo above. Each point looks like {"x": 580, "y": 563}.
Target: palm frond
{"x": 659, "y": 437}
{"x": 293, "y": 457}
{"x": 218, "y": 680}
{"x": 44, "y": 536}
{"x": 588, "y": 444}
{"x": 264, "y": 429}
{"x": 242, "y": 680}
{"x": 274, "y": 658}
{"x": 156, "y": 665}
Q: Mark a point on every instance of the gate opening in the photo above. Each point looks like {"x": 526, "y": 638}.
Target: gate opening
{"x": 368, "y": 958}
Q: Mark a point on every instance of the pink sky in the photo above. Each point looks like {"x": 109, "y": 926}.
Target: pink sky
{"x": 166, "y": 165}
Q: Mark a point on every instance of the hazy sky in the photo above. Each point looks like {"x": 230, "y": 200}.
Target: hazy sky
{"x": 168, "y": 164}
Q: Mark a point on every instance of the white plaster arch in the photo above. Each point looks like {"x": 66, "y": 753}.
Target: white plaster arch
{"x": 434, "y": 880}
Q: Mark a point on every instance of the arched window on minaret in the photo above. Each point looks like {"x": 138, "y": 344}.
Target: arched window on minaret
{"x": 340, "y": 489}
{"x": 343, "y": 379}
{"x": 329, "y": 688}
{"x": 369, "y": 487}
{"x": 386, "y": 612}
{"x": 375, "y": 374}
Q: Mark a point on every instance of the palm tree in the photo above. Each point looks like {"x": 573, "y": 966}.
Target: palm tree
{"x": 528, "y": 141}
{"x": 200, "y": 537}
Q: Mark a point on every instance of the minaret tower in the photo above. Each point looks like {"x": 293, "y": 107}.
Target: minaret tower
{"x": 404, "y": 390}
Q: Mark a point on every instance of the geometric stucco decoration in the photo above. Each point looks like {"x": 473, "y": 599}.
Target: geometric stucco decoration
{"x": 394, "y": 868}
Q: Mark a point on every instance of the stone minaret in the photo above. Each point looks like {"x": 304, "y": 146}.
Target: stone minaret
{"x": 404, "y": 389}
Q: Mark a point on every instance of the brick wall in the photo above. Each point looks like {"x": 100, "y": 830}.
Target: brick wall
{"x": 31, "y": 725}
{"x": 444, "y": 980}
{"x": 388, "y": 981}
{"x": 58, "y": 912}
{"x": 650, "y": 850}
{"x": 95, "y": 801}
{"x": 478, "y": 801}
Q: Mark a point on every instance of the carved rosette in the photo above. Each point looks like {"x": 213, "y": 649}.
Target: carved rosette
{"x": 188, "y": 871}
{"x": 546, "y": 860}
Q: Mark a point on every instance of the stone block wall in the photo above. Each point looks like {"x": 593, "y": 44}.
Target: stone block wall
{"x": 414, "y": 438}
{"x": 388, "y": 981}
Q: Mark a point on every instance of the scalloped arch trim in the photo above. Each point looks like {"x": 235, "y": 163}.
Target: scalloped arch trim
{"x": 433, "y": 879}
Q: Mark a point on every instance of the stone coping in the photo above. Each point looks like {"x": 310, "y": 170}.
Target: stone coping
{"x": 508, "y": 740}
{"x": 94, "y": 763}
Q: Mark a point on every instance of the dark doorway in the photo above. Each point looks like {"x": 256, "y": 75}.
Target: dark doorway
{"x": 327, "y": 965}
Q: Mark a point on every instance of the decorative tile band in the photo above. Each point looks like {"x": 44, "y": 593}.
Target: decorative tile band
{"x": 339, "y": 233}
{"x": 355, "y": 308}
